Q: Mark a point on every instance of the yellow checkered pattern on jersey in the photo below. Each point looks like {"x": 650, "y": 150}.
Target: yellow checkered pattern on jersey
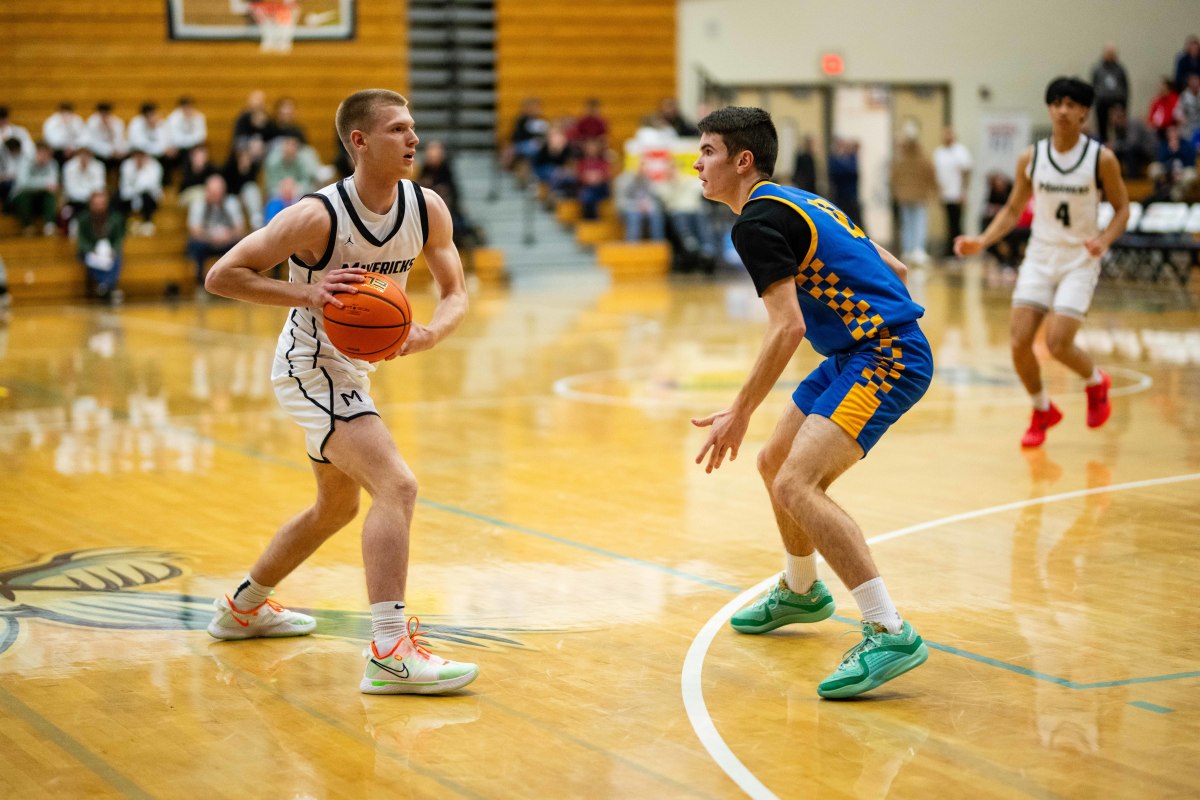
{"x": 860, "y": 321}
{"x": 861, "y": 402}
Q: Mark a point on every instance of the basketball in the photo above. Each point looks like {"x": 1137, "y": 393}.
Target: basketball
{"x": 372, "y": 324}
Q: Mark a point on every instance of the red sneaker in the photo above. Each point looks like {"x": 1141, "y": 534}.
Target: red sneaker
{"x": 1039, "y": 424}
{"x": 1099, "y": 409}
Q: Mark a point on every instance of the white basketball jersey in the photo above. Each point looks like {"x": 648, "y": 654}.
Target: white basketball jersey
{"x": 387, "y": 244}
{"x": 1066, "y": 192}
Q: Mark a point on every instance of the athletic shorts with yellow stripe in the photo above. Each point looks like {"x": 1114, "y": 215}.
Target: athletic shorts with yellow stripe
{"x": 865, "y": 390}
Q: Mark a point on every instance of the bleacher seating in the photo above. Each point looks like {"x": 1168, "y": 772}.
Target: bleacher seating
{"x": 1161, "y": 243}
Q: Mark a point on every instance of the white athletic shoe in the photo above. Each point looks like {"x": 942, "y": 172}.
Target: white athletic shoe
{"x": 411, "y": 669}
{"x": 268, "y": 620}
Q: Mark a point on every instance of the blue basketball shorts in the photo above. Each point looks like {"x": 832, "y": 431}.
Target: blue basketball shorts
{"x": 865, "y": 390}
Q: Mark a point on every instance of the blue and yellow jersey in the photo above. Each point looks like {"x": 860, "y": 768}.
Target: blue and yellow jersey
{"x": 847, "y": 293}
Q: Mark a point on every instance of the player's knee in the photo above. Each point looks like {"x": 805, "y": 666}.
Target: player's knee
{"x": 400, "y": 486}
{"x": 792, "y": 486}
{"x": 768, "y": 465}
{"x": 1060, "y": 346}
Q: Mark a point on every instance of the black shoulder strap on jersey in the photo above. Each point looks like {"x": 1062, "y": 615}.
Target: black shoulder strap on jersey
{"x": 332, "y": 235}
{"x": 424, "y": 213}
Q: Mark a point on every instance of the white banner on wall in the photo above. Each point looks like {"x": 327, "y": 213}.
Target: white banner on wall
{"x": 1004, "y": 134}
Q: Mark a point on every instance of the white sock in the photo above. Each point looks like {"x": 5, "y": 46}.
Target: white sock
{"x": 388, "y": 625}
{"x": 1041, "y": 400}
{"x": 1096, "y": 378}
{"x": 876, "y": 605}
{"x": 800, "y": 571}
{"x": 250, "y": 594}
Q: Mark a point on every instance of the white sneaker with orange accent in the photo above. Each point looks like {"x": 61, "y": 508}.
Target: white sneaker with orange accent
{"x": 409, "y": 668}
{"x": 267, "y": 620}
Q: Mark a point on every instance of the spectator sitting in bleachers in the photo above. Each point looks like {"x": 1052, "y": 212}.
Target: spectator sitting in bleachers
{"x": 1007, "y": 251}
{"x": 9, "y": 130}
{"x": 100, "y": 236}
{"x": 636, "y": 198}
{"x": 285, "y": 125}
{"x": 215, "y": 224}
{"x": 1187, "y": 111}
{"x": 148, "y": 133}
{"x": 1131, "y": 141}
{"x": 528, "y": 132}
{"x": 36, "y": 188}
{"x": 284, "y": 196}
{"x": 64, "y": 131}
{"x": 197, "y": 168}
{"x": 554, "y": 166}
{"x": 668, "y": 111}
{"x": 187, "y": 127}
{"x": 1162, "y": 108}
{"x": 140, "y": 188}
{"x": 241, "y": 181}
{"x": 252, "y": 128}
{"x": 591, "y": 125}
{"x": 683, "y": 200}
{"x": 82, "y": 176}
{"x": 106, "y": 136}
{"x": 1187, "y": 62}
{"x": 11, "y": 157}
{"x": 288, "y": 158}
{"x": 593, "y": 172}
{"x": 437, "y": 174}
{"x": 1174, "y": 172}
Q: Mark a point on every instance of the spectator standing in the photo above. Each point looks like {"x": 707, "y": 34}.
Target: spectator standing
{"x": 804, "y": 169}
{"x": 8, "y": 130}
{"x": 36, "y": 189}
{"x": 843, "y": 177}
{"x": 64, "y": 131}
{"x": 1131, "y": 141}
{"x": 1187, "y": 110}
{"x": 106, "y": 136}
{"x": 952, "y": 163}
{"x": 140, "y": 188}
{"x": 913, "y": 185}
{"x": 1187, "y": 62}
{"x": 215, "y": 224}
{"x": 594, "y": 174}
{"x": 100, "y": 236}
{"x": 82, "y": 176}
{"x": 1162, "y": 108}
{"x": 187, "y": 127}
{"x": 1112, "y": 87}
{"x": 637, "y": 201}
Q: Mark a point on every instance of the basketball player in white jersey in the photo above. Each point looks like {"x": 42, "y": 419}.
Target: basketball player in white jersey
{"x": 375, "y": 220}
{"x": 1065, "y": 174}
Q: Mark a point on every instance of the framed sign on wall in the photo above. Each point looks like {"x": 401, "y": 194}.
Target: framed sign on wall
{"x": 273, "y": 22}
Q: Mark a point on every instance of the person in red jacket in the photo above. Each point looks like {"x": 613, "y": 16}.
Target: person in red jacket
{"x": 1162, "y": 108}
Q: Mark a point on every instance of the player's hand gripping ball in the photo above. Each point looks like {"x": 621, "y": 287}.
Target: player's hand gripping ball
{"x": 372, "y": 324}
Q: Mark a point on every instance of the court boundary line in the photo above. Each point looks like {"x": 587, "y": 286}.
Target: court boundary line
{"x": 99, "y": 766}
{"x": 692, "y": 673}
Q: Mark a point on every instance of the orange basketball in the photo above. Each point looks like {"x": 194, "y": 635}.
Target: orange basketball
{"x": 372, "y": 324}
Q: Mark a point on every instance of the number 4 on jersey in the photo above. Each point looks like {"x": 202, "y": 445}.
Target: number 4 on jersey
{"x": 1063, "y": 214}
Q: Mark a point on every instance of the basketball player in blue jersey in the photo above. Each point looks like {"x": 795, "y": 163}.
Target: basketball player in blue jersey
{"x": 820, "y": 277}
{"x": 377, "y": 217}
{"x": 1064, "y": 174}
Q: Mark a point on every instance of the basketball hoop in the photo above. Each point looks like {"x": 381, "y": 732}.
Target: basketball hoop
{"x": 276, "y": 20}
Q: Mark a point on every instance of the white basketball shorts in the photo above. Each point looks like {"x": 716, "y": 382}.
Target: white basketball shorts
{"x": 321, "y": 397}
{"x": 1057, "y": 278}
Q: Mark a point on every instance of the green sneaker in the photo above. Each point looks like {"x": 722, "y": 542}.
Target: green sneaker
{"x": 781, "y": 606}
{"x": 874, "y": 661}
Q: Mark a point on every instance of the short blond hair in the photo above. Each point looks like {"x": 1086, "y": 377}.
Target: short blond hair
{"x": 357, "y": 112}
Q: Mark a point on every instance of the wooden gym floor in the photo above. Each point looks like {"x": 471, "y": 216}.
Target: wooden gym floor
{"x": 566, "y": 542}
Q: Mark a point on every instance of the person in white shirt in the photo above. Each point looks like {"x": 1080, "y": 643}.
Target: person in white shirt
{"x": 106, "y": 136}
{"x": 10, "y": 131}
{"x": 141, "y": 188}
{"x": 148, "y": 133}
{"x": 65, "y": 131}
{"x": 952, "y": 164}
{"x": 186, "y": 126}
{"x": 82, "y": 176}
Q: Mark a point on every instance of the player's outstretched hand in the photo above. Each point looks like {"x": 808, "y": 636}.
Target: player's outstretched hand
{"x": 728, "y": 430}
{"x": 336, "y": 281}
{"x": 967, "y": 245}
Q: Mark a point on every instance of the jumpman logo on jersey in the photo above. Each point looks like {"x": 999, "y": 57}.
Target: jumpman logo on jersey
{"x": 349, "y": 239}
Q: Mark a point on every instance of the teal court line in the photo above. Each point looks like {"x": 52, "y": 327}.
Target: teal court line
{"x": 1151, "y": 707}
{"x": 550, "y": 537}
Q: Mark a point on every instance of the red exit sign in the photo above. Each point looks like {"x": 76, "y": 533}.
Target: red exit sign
{"x": 832, "y": 64}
